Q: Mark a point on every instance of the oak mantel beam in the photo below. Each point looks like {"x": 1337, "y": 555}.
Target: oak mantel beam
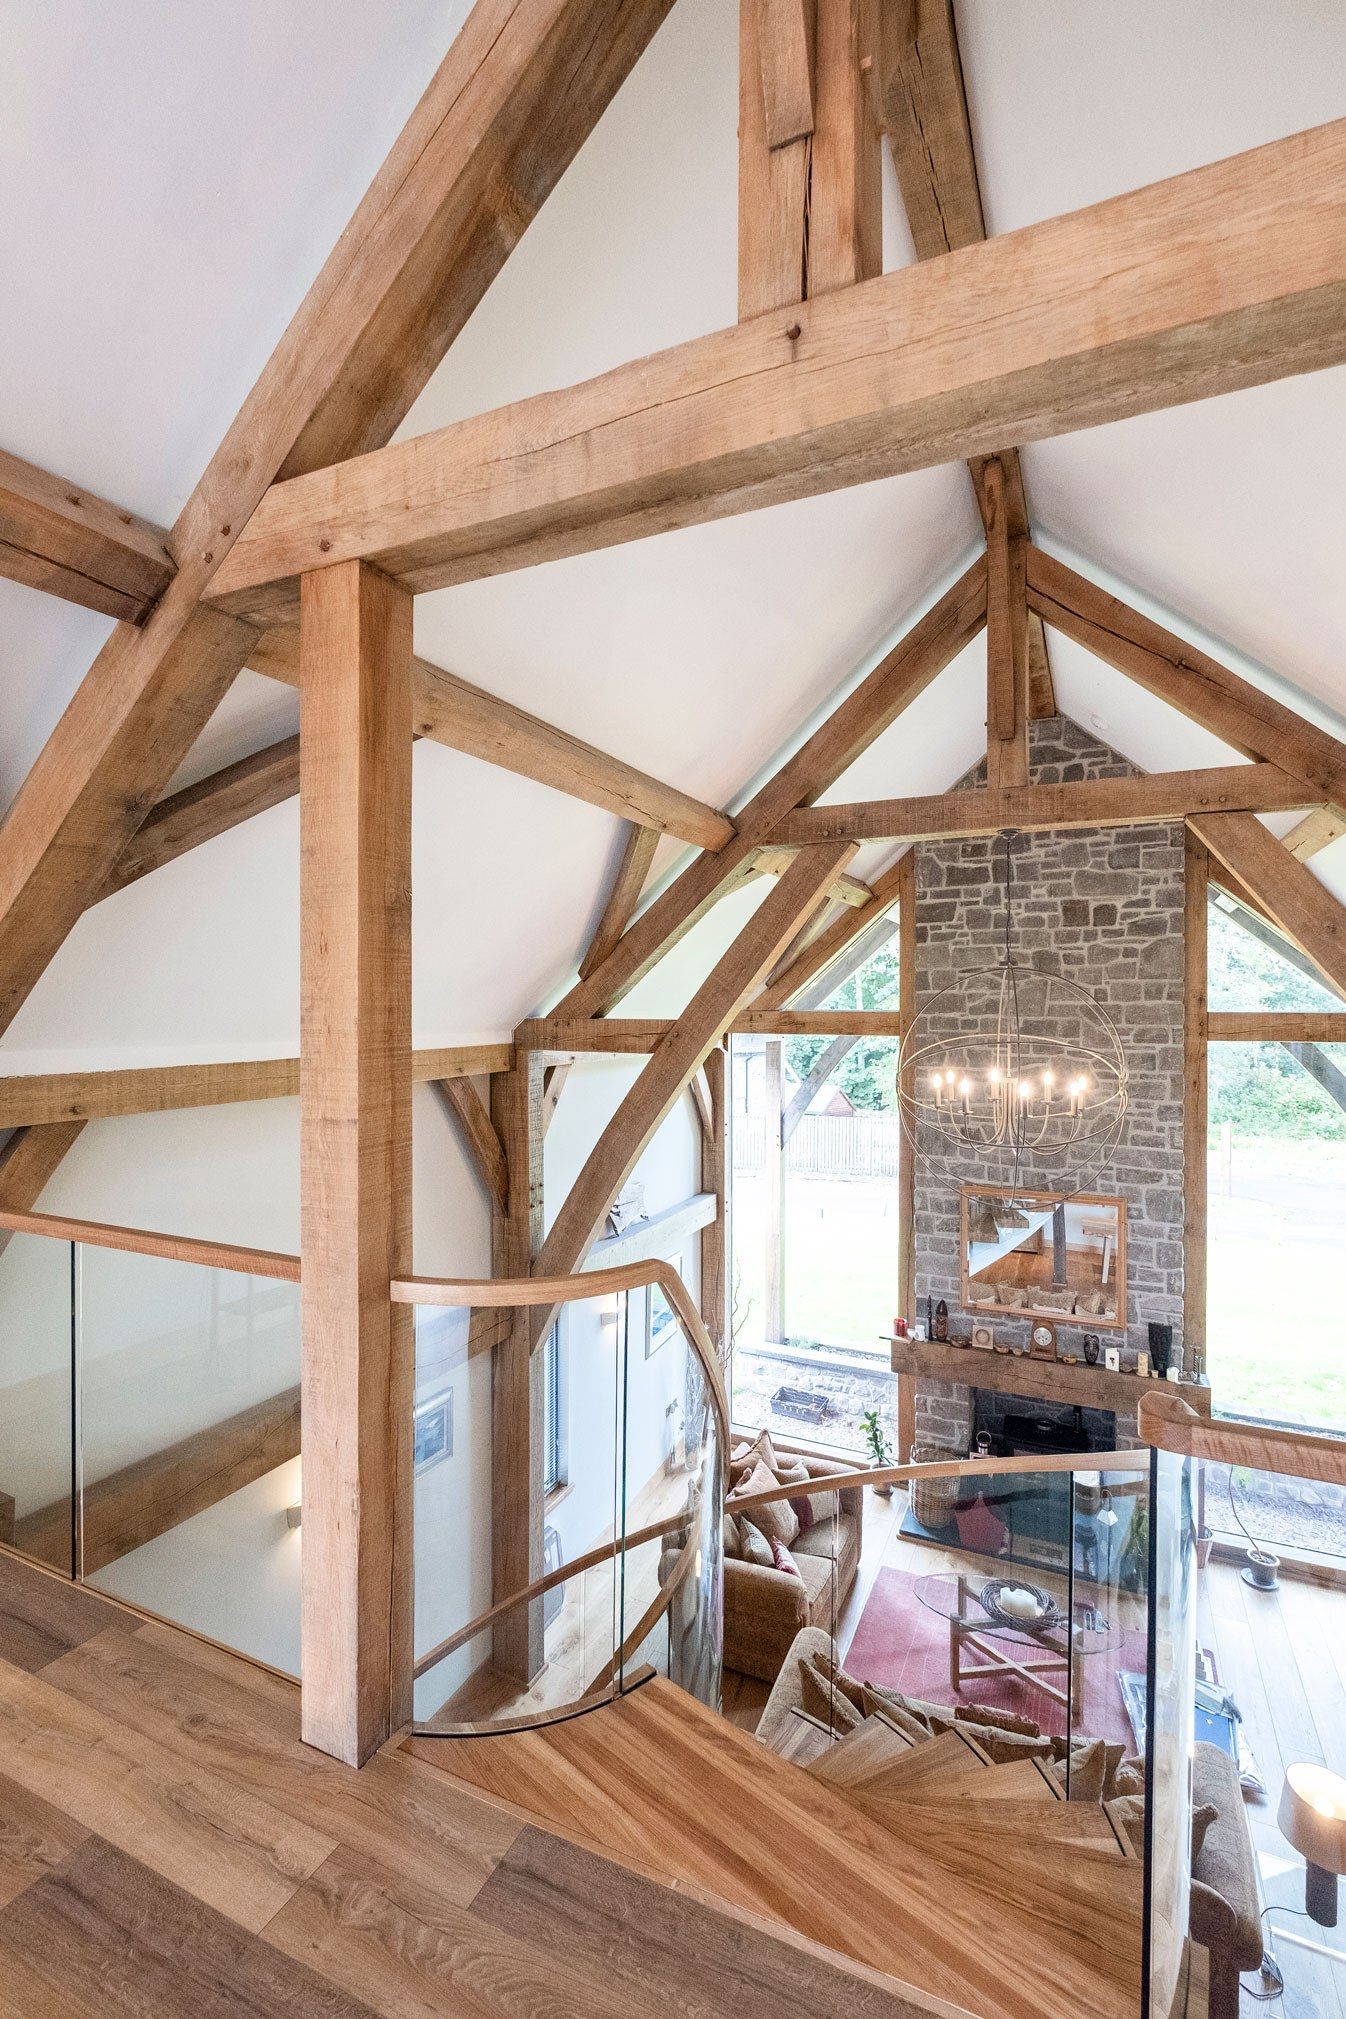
{"x": 1225, "y": 277}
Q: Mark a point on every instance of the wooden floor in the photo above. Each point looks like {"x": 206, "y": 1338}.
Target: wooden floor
{"x": 671, "y": 1789}
{"x": 169, "y": 1850}
{"x": 1283, "y": 1657}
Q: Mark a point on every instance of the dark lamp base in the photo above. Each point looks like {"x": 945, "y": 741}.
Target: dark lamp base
{"x": 1320, "y": 1895}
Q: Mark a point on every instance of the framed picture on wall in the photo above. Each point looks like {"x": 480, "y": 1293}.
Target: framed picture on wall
{"x": 433, "y": 1439}
{"x": 660, "y": 1322}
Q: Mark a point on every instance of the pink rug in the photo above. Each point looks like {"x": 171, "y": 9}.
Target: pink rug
{"x": 903, "y": 1645}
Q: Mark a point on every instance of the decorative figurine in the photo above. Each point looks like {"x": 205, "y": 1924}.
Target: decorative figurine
{"x": 1161, "y": 1347}
{"x": 942, "y": 1321}
{"x": 1093, "y": 1346}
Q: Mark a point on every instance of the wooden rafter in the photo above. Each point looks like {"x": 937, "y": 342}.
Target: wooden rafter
{"x": 831, "y": 943}
{"x": 623, "y": 897}
{"x": 521, "y": 87}
{"x": 1290, "y": 893}
{"x": 677, "y": 1057}
{"x": 848, "y": 890}
{"x": 209, "y": 808}
{"x": 1240, "y": 714}
{"x": 449, "y": 710}
{"x": 1006, "y": 639}
{"x": 1225, "y": 277}
{"x": 809, "y": 191}
{"x": 900, "y": 677}
{"x": 1315, "y": 832}
{"x": 1146, "y": 798}
{"x": 924, "y": 110}
{"x": 154, "y": 1494}
{"x": 55, "y": 535}
{"x": 36, "y": 1100}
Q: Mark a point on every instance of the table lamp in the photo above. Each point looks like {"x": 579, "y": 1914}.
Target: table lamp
{"x": 1312, "y": 1817}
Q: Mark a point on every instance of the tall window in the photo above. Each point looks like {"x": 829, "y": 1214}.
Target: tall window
{"x": 814, "y": 1221}
{"x": 1276, "y": 1185}
{"x": 553, "y": 1461}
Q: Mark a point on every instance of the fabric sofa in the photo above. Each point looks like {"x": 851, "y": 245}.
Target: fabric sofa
{"x": 765, "y": 1608}
{"x": 1224, "y": 1911}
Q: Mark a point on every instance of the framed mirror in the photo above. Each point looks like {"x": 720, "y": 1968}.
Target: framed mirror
{"x": 1041, "y": 1255}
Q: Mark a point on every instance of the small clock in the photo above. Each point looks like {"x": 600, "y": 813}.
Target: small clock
{"x": 1044, "y": 1340}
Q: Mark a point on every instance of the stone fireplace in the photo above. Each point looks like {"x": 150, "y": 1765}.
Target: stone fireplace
{"x": 1105, "y": 907}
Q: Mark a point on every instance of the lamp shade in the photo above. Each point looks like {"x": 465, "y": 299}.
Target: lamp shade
{"x": 1312, "y": 1815}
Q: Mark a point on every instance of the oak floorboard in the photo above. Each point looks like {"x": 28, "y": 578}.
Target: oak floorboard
{"x": 412, "y": 1953}
{"x": 34, "y": 1838}
{"x": 202, "y": 1829}
{"x": 670, "y": 1953}
{"x": 210, "y": 1709}
{"x": 108, "y": 1938}
{"x": 42, "y": 1616}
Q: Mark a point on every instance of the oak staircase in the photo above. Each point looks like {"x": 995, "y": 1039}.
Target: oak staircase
{"x": 958, "y": 1879}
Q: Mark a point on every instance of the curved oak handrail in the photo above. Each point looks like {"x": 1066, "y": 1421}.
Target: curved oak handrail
{"x": 956, "y": 1468}
{"x": 467, "y": 1293}
{"x": 169, "y": 1247}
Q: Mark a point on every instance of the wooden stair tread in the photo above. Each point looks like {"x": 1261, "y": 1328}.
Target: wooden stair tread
{"x": 1025, "y": 1822}
{"x": 658, "y": 1779}
{"x": 1009, "y": 1781}
{"x": 871, "y": 1751}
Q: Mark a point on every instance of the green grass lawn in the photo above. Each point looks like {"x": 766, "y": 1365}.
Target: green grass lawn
{"x": 840, "y": 1246}
{"x": 1276, "y": 1310}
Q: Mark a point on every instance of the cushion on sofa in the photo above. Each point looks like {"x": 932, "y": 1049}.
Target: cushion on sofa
{"x": 822, "y": 1699}
{"x": 777, "y": 1517}
{"x": 755, "y": 1547}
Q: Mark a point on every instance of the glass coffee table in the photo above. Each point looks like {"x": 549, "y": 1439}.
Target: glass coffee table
{"x": 1035, "y": 1651}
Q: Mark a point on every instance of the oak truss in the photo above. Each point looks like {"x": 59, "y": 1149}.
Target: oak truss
{"x": 836, "y": 373}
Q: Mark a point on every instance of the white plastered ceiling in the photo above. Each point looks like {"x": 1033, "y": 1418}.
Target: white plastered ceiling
{"x": 170, "y": 195}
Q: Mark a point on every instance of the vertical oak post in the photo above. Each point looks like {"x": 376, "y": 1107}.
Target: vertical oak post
{"x": 906, "y": 1151}
{"x": 355, "y": 1156}
{"x": 1195, "y": 1032}
{"x": 1006, "y": 638}
{"x": 517, "y": 1377}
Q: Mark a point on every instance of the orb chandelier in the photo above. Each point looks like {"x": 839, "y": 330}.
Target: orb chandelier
{"x": 1022, "y": 1066}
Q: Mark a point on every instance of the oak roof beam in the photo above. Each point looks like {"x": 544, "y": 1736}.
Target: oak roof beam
{"x": 923, "y": 104}
{"x": 1244, "y": 716}
{"x": 30, "y": 1099}
{"x": 1225, "y": 277}
{"x": 522, "y": 85}
{"x": 1293, "y": 898}
{"x": 449, "y": 710}
{"x": 1145, "y": 799}
{"x": 56, "y": 536}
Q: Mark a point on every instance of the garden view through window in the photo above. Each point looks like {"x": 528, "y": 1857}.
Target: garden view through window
{"x": 1276, "y": 1230}
{"x": 815, "y": 1145}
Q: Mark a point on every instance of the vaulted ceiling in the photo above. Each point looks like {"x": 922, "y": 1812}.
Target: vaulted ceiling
{"x": 175, "y": 177}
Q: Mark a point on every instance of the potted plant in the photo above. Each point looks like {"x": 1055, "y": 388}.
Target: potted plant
{"x": 880, "y": 1451}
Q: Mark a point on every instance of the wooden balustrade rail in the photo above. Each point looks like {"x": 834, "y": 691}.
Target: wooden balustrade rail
{"x": 1167, "y": 1424}
{"x": 955, "y": 1468}
{"x": 169, "y": 1247}
{"x": 466, "y": 1293}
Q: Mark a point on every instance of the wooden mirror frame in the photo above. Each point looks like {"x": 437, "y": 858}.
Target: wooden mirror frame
{"x": 1086, "y": 1321}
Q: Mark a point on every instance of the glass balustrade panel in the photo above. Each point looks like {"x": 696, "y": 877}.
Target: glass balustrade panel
{"x": 37, "y": 1399}
{"x": 519, "y": 1475}
{"x": 189, "y": 1449}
